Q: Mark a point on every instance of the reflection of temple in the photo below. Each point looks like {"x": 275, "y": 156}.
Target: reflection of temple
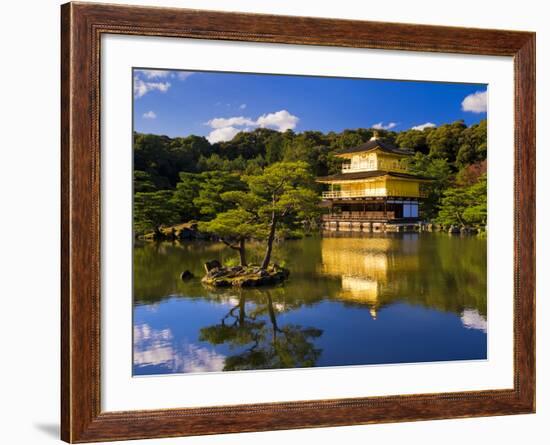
{"x": 366, "y": 265}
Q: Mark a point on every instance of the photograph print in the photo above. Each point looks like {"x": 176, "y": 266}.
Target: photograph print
{"x": 286, "y": 221}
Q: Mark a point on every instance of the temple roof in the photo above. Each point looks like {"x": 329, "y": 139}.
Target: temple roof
{"x": 369, "y": 174}
{"x": 376, "y": 144}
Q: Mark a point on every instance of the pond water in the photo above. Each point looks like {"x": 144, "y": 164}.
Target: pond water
{"x": 350, "y": 300}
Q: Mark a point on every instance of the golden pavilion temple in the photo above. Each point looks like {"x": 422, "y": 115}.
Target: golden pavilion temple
{"x": 373, "y": 192}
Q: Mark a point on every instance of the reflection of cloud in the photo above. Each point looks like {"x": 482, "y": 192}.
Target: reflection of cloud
{"x": 472, "y": 319}
{"x": 194, "y": 358}
{"x": 143, "y": 332}
{"x": 154, "y": 347}
{"x": 151, "y": 346}
{"x": 230, "y": 300}
{"x": 153, "y": 307}
{"x": 157, "y": 355}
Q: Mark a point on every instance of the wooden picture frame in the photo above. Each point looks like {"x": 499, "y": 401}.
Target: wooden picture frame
{"x": 82, "y": 26}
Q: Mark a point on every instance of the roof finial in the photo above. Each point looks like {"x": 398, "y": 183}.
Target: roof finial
{"x": 375, "y": 135}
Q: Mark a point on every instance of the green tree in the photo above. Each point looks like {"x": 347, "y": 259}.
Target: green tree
{"x": 284, "y": 196}
{"x": 152, "y": 210}
{"x": 187, "y": 190}
{"x": 281, "y": 197}
{"x": 465, "y": 205}
{"x": 185, "y": 152}
{"x": 212, "y": 185}
{"x": 143, "y": 182}
{"x": 414, "y": 140}
{"x": 349, "y": 138}
{"x": 301, "y": 147}
{"x": 445, "y": 140}
{"x": 474, "y": 145}
{"x": 440, "y": 173}
{"x": 233, "y": 227}
{"x": 274, "y": 148}
{"x": 247, "y": 144}
{"x": 470, "y": 174}
{"x": 476, "y": 212}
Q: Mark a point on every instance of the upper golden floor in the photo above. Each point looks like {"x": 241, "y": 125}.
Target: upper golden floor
{"x": 374, "y": 169}
{"x": 373, "y": 161}
{"x": 373, "y": 155}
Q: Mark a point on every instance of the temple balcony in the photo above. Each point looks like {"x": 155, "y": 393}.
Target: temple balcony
{"x": 368, "y": 193}
{"x": 371, "y": 166}
{"x": 360, "y": 216}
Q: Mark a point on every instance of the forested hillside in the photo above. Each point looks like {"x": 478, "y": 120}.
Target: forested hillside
{"x": 181, "y": 179}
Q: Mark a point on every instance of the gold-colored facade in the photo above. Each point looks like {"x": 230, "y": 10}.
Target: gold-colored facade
{"x": 373, "y": 186}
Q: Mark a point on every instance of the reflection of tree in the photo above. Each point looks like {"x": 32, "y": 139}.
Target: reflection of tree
{"x": 433, "y": 270}
{"x": 267, "y": 345}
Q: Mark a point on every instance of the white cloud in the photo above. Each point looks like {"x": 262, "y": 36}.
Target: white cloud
{"x": 222, "y": 134}
{"x": 182, "y": 75}
{"x": 150, "y": 115}
{"x": 225, "y": 128}
{"x": 476, "y": 102}
{"x": 422, "y": 127}
{"x": 141, "y": 88}
{"x": 163, "y": 74}
{"x": 280, "y": 120}
{"x": 221, "y": 122}
{"x": 154, "y": 74}
{"x": 381, "y": 126}
{"x": 242, "y": 106}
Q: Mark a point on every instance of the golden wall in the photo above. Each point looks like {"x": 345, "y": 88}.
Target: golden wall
{"x": 384, "y": 187}
{"x": 399, "y": 187}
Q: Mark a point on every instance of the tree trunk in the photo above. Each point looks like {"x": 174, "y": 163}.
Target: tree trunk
{"x": 270, "y": 239}
{"x": 272, "y": 318}
{"x": 157, "y": 234}
{"x": 242, "y": 252}
{"x": 242, "y": 308}
{"x": 240, "y": 247}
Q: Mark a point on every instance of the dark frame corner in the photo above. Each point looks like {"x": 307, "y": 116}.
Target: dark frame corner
{"x": 82, "y": 25}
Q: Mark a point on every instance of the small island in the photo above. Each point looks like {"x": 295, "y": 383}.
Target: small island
{"x": 243, "y": 276}
{"x": 274, "y": 203}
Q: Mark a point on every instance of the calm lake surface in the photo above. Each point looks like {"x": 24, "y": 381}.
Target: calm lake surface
{"x": 350, "y": 300}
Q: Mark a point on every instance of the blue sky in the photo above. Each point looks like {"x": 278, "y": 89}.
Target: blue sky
{"x": 217, "y": 105}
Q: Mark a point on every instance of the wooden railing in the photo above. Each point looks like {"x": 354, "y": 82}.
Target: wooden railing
{"x": 346, "y": 168}
{"x": 367, "y": 166}
{"x": 366, "y": 193}
{"x": 354, "y": 193}
{"x": 350, "y": 216}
